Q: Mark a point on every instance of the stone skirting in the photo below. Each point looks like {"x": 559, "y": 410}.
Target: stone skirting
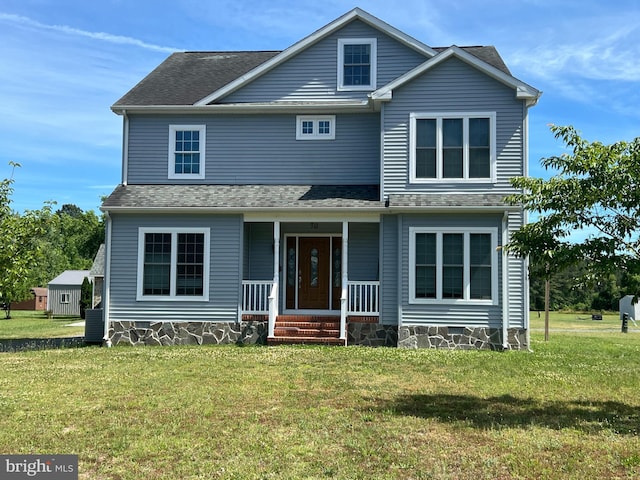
{"x": 372, "y": 334}
{"x": 187, "y": 333}
{"x": 462, "y": 338}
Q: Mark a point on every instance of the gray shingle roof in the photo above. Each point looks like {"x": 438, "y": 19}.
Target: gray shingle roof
{"x": 487, "y": 54}
{"x": 243, "y": 196}
{"x": 70, "y": 277}
{"x": 435, "y": 200}
{"x": 97, "y": 269}
{"x": 186, "y": 77}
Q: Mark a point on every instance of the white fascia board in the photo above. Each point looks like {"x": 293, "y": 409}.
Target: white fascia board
{"x": 302, "y": 212}
{"x": 457, "y": 209}
{"x": 231, "y": 108}
{"x": 315, "y": 37}
{"x": 523, "y": 90}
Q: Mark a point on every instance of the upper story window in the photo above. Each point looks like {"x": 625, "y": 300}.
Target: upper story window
{"x": 452, "y": 146}
{"x": 315, "y": 127}
{"x": 357, "y": 60}
{"x": 453, "y": 265}
{"x": 186, "y": 151}
{"x": 173, "y": 264}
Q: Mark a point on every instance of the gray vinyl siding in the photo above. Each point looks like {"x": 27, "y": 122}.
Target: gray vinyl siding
{"x": 72, "y": 308}
{"x": 453, "y": 86}
{"x": 517, "y": 274}
{"x": 458, "y": 315}
{"x": 363, "y": 251}
{"x": 260, "y": 149}
{"x": 258, "y": 251}
{"x": 313, "y": 73}
{"x": 224, "y": 283}
{"x": 389, "y": 270}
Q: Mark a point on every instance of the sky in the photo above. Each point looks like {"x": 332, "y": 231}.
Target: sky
{"x": 63, "y": 63}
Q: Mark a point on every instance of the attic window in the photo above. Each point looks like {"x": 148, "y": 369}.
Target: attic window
{"x": 357, "y": 63}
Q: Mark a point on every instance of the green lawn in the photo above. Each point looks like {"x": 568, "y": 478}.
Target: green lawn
{"x": 569, "y": 410}
{"x": 30, "y": 324}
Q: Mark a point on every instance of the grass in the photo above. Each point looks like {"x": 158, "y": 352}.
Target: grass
{"x": 30, "y": 324}
{"x": 569, "y": 410}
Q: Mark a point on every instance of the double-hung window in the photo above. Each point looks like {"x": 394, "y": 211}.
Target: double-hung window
{"x": 357, "y": 63}
{"x": 452, "y": 147}
{"x": 318, "y": 127}
{"x": 173, "y": 264}
{"x": 186, "y": 151}
{"x": 453, "y": 265}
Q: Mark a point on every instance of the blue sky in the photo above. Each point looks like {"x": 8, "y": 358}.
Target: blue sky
{"x": 63, "y": 63}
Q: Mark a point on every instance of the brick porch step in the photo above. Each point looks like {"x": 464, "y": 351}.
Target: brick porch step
{"x": 304, "y": 341}
{"x": 305, "y": 332}
{"x": 316, "y": 325}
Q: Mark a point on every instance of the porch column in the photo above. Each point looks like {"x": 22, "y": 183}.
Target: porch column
{"x": 273, "y": 296}
{"x": 345, "y": 279}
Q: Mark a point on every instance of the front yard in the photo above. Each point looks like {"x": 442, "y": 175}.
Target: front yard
{"x": 570, "y": 409}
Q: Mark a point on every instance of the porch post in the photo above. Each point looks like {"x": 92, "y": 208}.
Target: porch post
{"x": 345, "y": 279}
{"x": 273, "y": 297}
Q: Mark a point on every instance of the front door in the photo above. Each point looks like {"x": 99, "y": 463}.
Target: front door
{"x": 314, "y": 272}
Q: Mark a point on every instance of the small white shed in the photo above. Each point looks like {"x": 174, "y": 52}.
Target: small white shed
{"x": 64, "y": 292}
{"x": 627, "y": 306}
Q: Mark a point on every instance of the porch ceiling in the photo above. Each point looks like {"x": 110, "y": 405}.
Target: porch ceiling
{"x": 229, "y": 197}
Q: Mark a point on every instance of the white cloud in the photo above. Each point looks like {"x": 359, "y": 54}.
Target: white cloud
{"x": 102, "y": 36}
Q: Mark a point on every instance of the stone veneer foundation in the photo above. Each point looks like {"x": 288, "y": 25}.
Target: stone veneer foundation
{"x": 359, "y": 333}
{"x": 462, "y": 338}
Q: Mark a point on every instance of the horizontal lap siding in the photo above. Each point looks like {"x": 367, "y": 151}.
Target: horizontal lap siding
{"x": 363, "y": 251}
{"x": 517, "y": 280}
{"x": 453, "y": 86}
{"x": 224, "y": 284}
{"x": 261, "y": 149}
{"x": 313, "y": 73}
{"x": 389, "y": 270}
{"x": 258, "y": 262}
{"x": 443, "y": 314}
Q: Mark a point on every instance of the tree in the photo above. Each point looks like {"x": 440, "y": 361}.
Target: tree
{"x": 20, "y": 247}
{"x": 596, "y": 188}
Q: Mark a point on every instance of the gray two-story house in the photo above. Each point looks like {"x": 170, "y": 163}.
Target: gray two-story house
{"x": 349, "y": 190}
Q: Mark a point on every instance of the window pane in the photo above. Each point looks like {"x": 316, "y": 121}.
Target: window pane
{"x": 452, "y": 265}
{"x": 357, "y": 64}
{"x": 323, "y": 127}
{"x": 307, "y": 127}
{"x": 187, "y": 148}
{"x": 452, "y": 132}
{"x": 425, "y": 248}
{"x": 425, "y": 281}
{"x": 190, "y": 264}
{"x": 426, "y": 163}
{"x": 157, "y": 264}
{"x": 426, "y": 133}
{"x": 479, "y": 163}
{"x": 479, "y": 132}
{"x": 480, "y": 265}
{"x": 425, "y": 272}
{"x": 452, "y": 163}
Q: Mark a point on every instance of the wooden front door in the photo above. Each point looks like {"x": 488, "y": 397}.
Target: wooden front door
{"x": 314, "y": 272}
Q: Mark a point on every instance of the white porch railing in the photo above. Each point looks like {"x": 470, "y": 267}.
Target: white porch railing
{"x": 255, "y": 296}
{"x": 363, "y": 298}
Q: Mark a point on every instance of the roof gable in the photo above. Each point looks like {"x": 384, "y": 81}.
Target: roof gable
{"x": 523, "y": 90}
{"x": 355, "y": 14}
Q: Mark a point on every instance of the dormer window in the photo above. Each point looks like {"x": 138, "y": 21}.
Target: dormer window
{"x": 357, "y": 63}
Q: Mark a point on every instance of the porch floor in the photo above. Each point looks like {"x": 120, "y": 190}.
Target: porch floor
{"x": 306, "y": 329}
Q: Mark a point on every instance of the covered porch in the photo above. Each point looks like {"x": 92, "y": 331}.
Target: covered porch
{"x": 309, "y": 277}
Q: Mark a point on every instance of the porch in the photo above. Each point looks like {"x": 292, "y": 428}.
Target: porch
{"x": 323, "y": 275}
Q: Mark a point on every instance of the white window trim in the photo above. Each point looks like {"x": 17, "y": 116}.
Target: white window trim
{"x": 439, "y": 116}
{"x": 174, "y": 254}
{"x": 316, "y": 135}
{"x": 172, "y": 150}
{"x": 466, "y": 300}
{"x": 373, "y": 43}
{"x": 65, "y": 298}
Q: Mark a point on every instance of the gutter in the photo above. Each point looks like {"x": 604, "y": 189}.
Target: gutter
{"x": 231, "y": 108}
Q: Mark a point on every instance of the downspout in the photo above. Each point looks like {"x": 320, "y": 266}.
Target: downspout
{"x": 107, "y": 281}
{"x": 505, "y": 282}
{"x": 125, "y": 147}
